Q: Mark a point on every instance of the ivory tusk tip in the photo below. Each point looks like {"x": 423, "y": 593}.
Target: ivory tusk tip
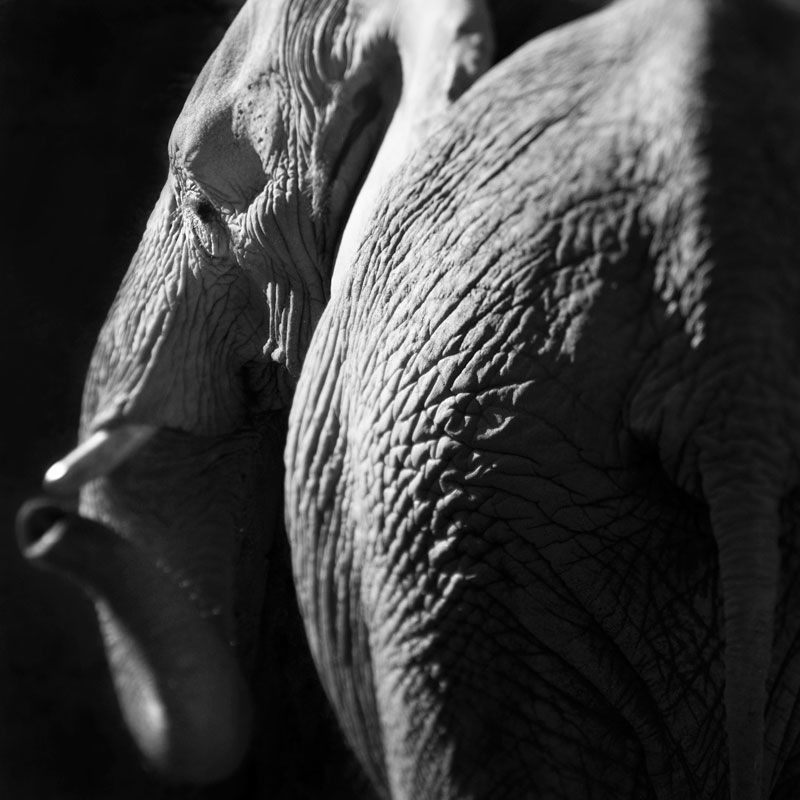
{"x": 102, "y": 452}
{"x": 55, "y": 475}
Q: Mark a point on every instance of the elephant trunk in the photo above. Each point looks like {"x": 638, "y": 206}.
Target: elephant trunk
{"x": 176, "y": 678}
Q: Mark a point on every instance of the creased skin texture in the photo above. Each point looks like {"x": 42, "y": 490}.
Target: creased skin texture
{"x": 273, "y": 148}
{"x": 582, "y": 293}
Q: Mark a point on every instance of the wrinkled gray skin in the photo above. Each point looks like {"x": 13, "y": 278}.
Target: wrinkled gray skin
{"x": 542, "y": 466}
{"x": 543, "y": 451}
{"x": 289, "y": 133}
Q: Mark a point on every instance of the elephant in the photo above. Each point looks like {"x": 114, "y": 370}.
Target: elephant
{"x": 501, "y": 301}
{"x": 542, "y": 465}
{"x": 290, "y": 132}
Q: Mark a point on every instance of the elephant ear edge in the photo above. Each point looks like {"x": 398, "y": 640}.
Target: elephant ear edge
{"x": 444, "y": 46}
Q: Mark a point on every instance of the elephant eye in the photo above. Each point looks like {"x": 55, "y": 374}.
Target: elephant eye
{"x": 205, "y": 211}
{"x": 208, "y": 231}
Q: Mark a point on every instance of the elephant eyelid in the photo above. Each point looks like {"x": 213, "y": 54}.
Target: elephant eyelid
{"x": 200, "y": 206}
{"x": 208, "y": 230}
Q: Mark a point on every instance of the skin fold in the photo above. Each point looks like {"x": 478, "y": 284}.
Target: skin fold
{"x": 541, "y": 486}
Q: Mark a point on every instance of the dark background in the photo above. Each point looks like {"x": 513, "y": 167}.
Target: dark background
{"x": 88, "y": 93}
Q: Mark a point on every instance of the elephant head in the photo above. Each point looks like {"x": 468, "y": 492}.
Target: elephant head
{"x": 286, "y": 139}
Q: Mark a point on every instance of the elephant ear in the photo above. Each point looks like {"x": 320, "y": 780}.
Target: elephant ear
{"x": 443, "y": 47}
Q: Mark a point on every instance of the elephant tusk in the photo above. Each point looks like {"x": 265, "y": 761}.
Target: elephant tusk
{"x": 97, "y": 456}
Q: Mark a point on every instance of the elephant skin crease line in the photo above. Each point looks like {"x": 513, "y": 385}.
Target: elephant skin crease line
{"x": 97, "y": 456}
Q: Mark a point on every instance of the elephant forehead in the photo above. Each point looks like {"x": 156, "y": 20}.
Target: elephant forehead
{"x": 260, "y": 93}
{"x": 210, "y": 141}
{"x": 235, "y": 118}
